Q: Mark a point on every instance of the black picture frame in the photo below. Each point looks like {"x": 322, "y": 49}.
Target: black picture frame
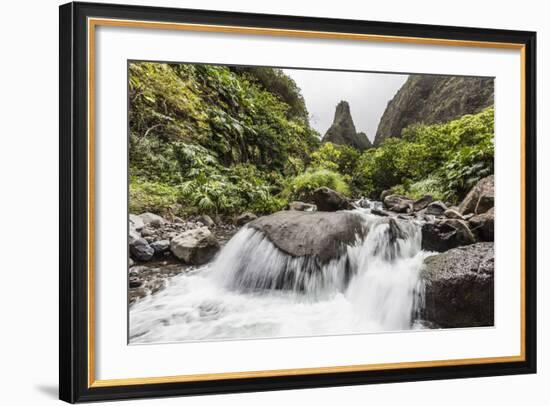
{"x": 74, "y": 384}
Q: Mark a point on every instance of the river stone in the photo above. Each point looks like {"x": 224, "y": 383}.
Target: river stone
{"x": 443, "y": 235}
{"x": 459, "y": 287}
{"x": 422, "y": 203}
{"x": 483, "y": 190}
{"x": 320, "y": 234}
{"x": 135, "y": 222}
{"x": 206, "y": 220}
{"x": 139, "y": 248}
{"x": 160, "y": 246}
{"x": 453, "y": 214}
{"x": 329, "y": 200}
{"x": 301, "y": 206}
{"x": 484, "y": 225}
{"x": 398, "y": 203}
{"x": 436, "y": 208}
{"x": 152, "y": 219}
{"x": 195, "y": 247}
{"x": 245, "y": 218}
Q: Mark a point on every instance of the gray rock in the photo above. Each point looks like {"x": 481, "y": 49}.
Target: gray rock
{"x": 444, "y": 235}
{"x": 484, "y": 190}
{"x": 422, "y": 203}
{"x": 140, "y": 250}
{"x": 379, "y": 212}
{"x": 321, "y": 234}
{"x": 301, "y": 206}
{"x": 329, "y": 200}
{"x": 195, "y": 247}
{"x": 436, "y": 208}
{"x": 206, "y": 220}
{"x": 459, "y": 287}
{"x": 136, "y": 222}
{"x": 152, "y": 219}
{"x": 398, "y": 203}
{"x": 384, "y": 194}
{"x": 453, "y": 214}
{"x": 160, "y": 246}
{"x": 484, "y": 225}
{"x": 245, "y": 218}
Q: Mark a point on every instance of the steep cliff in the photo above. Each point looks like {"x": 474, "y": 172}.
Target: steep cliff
{"x": 430, "y": 99}
{"x": 342, "y": 131}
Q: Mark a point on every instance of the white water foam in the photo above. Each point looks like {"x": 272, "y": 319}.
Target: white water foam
{"x": 254, "y": 290}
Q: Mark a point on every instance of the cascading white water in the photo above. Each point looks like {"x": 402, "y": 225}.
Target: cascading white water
{"x": 255, "y": 290}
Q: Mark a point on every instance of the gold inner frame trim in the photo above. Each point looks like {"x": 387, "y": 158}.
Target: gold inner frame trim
{"x": 94, "y": 22}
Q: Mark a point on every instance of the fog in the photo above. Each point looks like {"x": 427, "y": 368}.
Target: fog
{"x": 367, "y": 94}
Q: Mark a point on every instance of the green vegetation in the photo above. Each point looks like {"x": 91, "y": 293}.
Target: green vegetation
{"x": 444, "y": 160}
{"x": 224, "y": 140}
{"x": 301, "y": 187}
{"x": 213, "y": 139}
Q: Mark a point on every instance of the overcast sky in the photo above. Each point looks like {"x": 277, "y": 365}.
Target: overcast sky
{"x": 367, "y": 94}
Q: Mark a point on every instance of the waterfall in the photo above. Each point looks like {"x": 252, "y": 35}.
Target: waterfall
{"x": 253, "y": 289}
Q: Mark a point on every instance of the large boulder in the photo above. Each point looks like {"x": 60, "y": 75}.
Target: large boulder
{"x": 140, "y": 250}
{"x": 459, "y": 287}
{"x": 329, "y": 200}
{"x": 398, "y": 203}
{"x": 319, "y": 234}
{"x": 151, "y": 219}
{"x": 437, "y": 208}
{"x": 443, "y": 235}
{"x": 481, "y": 198}
{"x": 342, "y": 131}
{"x": 422, "y": 203}
{"x": 484, "y": 225}
{"x": 195, "y": 247}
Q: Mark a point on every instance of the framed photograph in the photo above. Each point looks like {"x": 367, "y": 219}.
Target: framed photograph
{"x": 259, "y": 202}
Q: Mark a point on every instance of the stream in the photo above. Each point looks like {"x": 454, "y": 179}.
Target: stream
{"x": 373, "y": 287}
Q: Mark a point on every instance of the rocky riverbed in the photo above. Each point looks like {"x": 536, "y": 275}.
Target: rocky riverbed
{"x": 457, "y": 277}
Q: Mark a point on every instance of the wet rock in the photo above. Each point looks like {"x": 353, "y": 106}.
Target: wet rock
{"x": 480, "y": 198}
{"x": 422, "y": 203}
{"x": 384, "y": 194}
{"x": 436, "y": 208}
{"x": 140, "y": 250}
{"x": 484, "y": 225}
{"x": 443, "y": 235}
{"x": 134, "y": 282}
{"x": 398, "y": 203}
{"x": 379, "y": 212}
{"x": 195, "y": 247}
{"x": 321, "y": 234}
{"x": 160, "y": 246}
{"x": 301, "y": 206}
{"x": 151, "y": 219}
{"x": 453, "y": 214}
{"x": 459, "y": 287}
{"x": 329, "y": 200}
{"x": 245, "y": 218}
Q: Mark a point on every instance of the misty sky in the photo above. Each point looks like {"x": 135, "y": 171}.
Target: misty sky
{"x": 367, "y": 94}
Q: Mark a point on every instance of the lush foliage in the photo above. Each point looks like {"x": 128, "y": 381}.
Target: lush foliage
{"x": 445, "y": 160}
{"x": 224, "y": 140}
{"x": 208, "y": 138}
{"x": 300, "y": 187}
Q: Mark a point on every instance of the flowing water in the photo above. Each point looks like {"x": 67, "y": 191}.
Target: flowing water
{"x": 254, "y": 290}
